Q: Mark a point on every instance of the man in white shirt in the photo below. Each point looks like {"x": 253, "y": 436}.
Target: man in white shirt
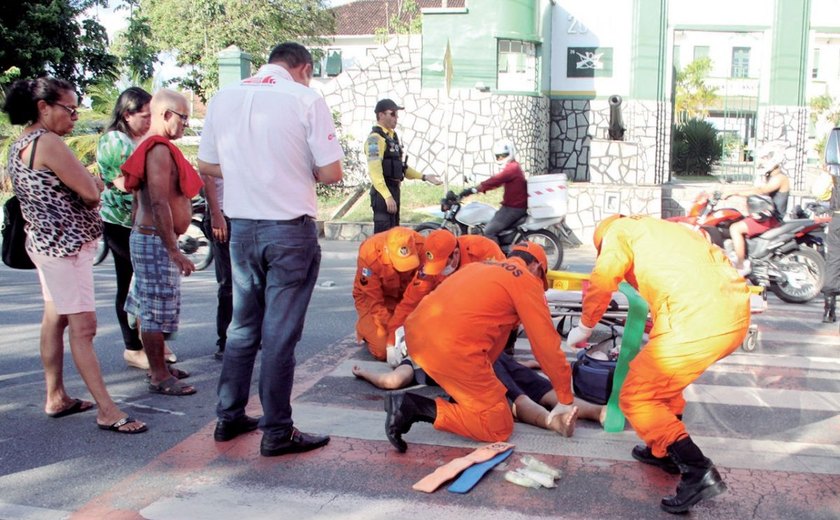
{"x": 271, "y": 138}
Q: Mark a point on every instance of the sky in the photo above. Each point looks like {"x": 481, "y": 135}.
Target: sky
{"x": 115, "y": 21}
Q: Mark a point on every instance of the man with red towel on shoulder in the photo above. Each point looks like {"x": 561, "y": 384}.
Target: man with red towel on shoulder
{"x": 163, "y": 182}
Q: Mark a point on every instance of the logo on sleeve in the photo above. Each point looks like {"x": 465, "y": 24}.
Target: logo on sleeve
{"x": 373, "y": 147}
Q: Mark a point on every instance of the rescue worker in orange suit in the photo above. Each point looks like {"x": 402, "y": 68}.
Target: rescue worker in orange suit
{"x": 386, "y": 265}
{"x": 700, "y": 309}
{"x": 387, "y": 167}
{"x": 443, "y": 254}
{"x": 457, "y": 333}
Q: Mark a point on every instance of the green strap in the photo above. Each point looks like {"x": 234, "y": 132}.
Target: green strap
{"x": 631, "y": 342}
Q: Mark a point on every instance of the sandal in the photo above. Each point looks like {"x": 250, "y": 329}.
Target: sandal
{"x": 171, "y": 386}
{"x": 76, "y": 406}
{"x": 116, "y": 427}
{"x": 177, "y": 373}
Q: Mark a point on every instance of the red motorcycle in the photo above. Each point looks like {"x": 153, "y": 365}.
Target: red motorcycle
{"x": 785, "y": 258}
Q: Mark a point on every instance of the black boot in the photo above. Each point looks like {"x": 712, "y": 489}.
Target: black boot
{"x": 699, "y": 479}
{"x": 403, "y": 410}
{"x": 643, "y": 454}
{"x": 830, "y": 305}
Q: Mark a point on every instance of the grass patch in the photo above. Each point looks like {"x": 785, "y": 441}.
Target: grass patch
{"x": 417, "y": 198}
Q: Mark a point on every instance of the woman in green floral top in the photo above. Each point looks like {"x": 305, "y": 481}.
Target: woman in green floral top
{"x": 130, "y": 121}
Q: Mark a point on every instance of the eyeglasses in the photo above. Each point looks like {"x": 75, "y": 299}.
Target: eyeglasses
{"x": 184, "y": 117}
{"x": 70, "y": 110}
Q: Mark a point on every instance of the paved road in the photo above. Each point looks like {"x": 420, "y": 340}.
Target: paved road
{"x": 769, "y": 418}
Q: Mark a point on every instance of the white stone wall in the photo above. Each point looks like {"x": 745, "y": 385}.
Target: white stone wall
{"x": 448, "y": 135}
{"x": 786, "y": 127}
{"x": 580, "y": 148}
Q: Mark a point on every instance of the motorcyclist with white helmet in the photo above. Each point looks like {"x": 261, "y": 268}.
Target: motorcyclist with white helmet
{"x": 515, "y": 198}
{"x": 776, "y": 186}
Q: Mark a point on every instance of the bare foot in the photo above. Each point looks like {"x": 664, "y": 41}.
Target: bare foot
{"x": 563, "y": 422}
{"x": 168, "y": 355}
{"x": 136, "y": 359}
{"x": 590, "y": 411}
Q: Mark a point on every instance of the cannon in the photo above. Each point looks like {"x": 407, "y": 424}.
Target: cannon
{"x": 616, "y": 129}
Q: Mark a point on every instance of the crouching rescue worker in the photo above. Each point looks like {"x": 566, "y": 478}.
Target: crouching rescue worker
{"x": 386, "y": 265}
{"x": 442, "y": 255}
{"x": 459, "y": 330}
{"x": 701, "y": 312}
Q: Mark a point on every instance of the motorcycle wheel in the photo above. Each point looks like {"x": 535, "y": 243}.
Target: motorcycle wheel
{"x": 804, "y": 274}
{"x": 426, "y": 227}
{"x": 456, "y": 228}
{"x": 552, "y": 245}
{"x": 196, "y": 246}
{"x": 101, "y": 251}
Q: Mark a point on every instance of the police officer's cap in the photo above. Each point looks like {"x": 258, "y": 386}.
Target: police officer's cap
{"x": 386, "y": 104}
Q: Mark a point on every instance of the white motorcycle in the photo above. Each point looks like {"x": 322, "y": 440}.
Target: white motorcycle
{"x": 546, "y": 211}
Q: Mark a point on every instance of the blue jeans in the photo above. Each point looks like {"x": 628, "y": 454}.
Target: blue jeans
{"x": 275, "y": 265}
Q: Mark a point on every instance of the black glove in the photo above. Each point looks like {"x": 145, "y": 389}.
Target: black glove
{"x": 466, "y": 192}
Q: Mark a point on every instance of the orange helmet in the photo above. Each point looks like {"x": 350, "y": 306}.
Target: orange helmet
{"x": 601, "y": 229}
{"x": 538, "y": 253}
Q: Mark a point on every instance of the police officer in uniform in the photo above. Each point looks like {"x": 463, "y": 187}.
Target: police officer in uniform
{"x": 388, "y": 167}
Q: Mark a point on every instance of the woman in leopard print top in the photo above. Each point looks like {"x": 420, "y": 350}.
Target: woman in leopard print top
{"x": 59, "y": 200}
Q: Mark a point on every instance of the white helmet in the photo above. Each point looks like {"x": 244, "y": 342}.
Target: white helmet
{"x": 769, "y": 157}
{"x": 504, "y": 152}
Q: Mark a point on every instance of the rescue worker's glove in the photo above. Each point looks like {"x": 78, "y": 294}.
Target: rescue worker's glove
{"x": 467, "y": 192}
{"x": 394, "y": 354}
{"x": 578, "y": 336}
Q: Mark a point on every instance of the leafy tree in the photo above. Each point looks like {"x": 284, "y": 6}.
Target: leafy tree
{"x": 43, "y": 37}
{"x": 196, "y": 30}
{"x": 697, "y": 148}
{"x": 133, "y": 46}
{"x": 694, "y": 96}
{"x": 407, "y": 21}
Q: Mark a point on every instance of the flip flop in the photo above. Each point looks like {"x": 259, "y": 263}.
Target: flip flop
{"x": 171, "y": 386}
{"x": 122, "y": 422}
{"x": 78, "y": 406}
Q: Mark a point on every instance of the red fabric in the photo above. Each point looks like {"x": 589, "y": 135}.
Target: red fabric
{"x": 516, "y": 187}
{"x": 134, "y": 169}
{"x": 755, "y": 227}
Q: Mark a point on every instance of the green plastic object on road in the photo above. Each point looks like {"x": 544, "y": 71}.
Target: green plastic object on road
{"x": 631, "y": 342}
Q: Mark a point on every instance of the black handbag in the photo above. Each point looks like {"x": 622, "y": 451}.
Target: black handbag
{"x": 14, "y": 233}
{"x": 592, "y": 379}
{"x": 14, "y": 236}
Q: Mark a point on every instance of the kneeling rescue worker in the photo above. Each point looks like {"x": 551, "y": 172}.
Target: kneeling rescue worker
{"x": 455, "y": 336}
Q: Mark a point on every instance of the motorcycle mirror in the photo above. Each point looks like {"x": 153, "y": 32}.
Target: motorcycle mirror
{"x": 832, "y": 148}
